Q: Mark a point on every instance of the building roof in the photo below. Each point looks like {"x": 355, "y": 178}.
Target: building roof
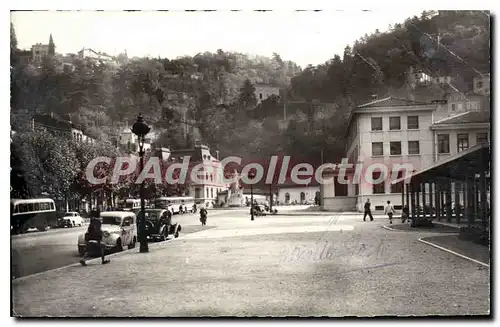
{"x": 391, "y": 102}
{"x": 469, "y": 117}
{"x": 96, "y": 52}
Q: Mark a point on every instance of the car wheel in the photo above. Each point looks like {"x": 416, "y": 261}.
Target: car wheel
{"x": 81, "y": 251}
{"x": 132, "y": 245}
{"x": 119, "y": 247}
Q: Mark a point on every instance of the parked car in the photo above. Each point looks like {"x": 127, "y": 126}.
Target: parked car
{"x": 159, "y": 224}
{"x": 119, "y": 230}
{"x": 70, "y": 219}
{"x": 258, "y": 210}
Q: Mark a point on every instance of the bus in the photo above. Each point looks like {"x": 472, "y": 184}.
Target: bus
{"x": 131, "y": 204}
{"x": 174, "y": 203}
{"x": 32, "y": 213}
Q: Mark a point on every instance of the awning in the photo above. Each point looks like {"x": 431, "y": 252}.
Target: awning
{"x": 457, "y": 167}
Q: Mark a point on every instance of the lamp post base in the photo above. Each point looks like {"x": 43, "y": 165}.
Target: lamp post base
{"x": 144, "y": 247}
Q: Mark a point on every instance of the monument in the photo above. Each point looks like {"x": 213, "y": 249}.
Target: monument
{"x": 235, "y": 193}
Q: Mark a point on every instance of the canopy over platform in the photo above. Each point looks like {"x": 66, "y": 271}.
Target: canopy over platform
{"x": 456, "y": 189}
{"x": 466, "y": 164}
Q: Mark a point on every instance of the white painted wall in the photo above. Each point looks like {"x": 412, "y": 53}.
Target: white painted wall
{"x": 310, "y": 193}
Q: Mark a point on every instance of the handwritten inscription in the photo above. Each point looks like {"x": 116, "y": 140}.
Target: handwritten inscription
{"x": 330, "y": 250}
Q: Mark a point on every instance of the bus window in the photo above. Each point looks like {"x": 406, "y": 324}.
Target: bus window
{"x": 36, "y": 206}
{"x": 52, "y": 206}
{"x": 44, "y": 206}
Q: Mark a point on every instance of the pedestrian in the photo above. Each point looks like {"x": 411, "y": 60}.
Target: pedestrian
{"x": 368, "y": 210}
{"x": 405, "y": 214}
{"x": 93, "y": 240}
{"x": 203, "y": 216}
{"x": 389, "y": 210}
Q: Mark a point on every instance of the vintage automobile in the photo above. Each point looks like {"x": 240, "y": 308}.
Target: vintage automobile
{"x": 258, "y": 210}
{"x": 70, "y": 219}
{"x": 119, "y": 229}
{"x": 159, "y": 224}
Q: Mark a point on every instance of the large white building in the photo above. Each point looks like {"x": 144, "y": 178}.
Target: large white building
{"x": 394, "y": 131}
{"x": 205, "y": 192}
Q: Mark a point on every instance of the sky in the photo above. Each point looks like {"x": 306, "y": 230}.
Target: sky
{"x": 303, "y": 37}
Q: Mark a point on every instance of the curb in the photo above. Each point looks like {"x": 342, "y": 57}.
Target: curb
{"x": 150, "y": 245}
{"x": 453, "y": 252}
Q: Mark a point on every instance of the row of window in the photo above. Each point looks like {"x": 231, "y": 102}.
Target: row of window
{"x": 462, "y": 141}
{"x": 394, "y": 123}
{"x": 30, "y": 207}
{"x": 395, "y": 148}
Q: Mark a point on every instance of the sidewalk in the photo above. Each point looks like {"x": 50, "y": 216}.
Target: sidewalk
{"x": 464, "y": 248}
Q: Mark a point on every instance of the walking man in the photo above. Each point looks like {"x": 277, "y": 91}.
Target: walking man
{"x": 389, "y": 210}
{"x": 93, "y": 239}
{"x": 368, "y": 211}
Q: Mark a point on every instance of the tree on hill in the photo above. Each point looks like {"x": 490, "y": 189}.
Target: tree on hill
{"x": 52, "y": 46}
{"x": 247, "y": 99}
{"x": 13, "y": 44}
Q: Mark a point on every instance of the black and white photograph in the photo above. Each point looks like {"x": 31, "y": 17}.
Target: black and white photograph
{"x": 252, "y": 163}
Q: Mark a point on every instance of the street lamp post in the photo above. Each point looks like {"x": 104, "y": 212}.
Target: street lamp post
{"x": 251, "y": 174}
{"x": 141, "y": 129}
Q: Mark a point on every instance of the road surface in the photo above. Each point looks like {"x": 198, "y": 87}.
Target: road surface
{"x": 36, "y": 252}
{"x": 40, "y": 251}
{"x": 307, "y": 265}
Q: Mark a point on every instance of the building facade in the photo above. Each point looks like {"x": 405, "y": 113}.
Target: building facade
{"x": 61, "y": 127}
{"x": 298, "y": 194}
{"x": 264, "y": 91}
{"x": 456, "y": 134}
{"x": 396, "y": 132}
{"x": 38, "y": 52}
{"x": 205, "y": 192}
{"x": 87, "y": 53}
{"x": 129, "y": 142}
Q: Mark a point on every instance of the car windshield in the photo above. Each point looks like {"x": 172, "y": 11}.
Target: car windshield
{"x": 150, "y": 215}
{"x": 111, "y": 220}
